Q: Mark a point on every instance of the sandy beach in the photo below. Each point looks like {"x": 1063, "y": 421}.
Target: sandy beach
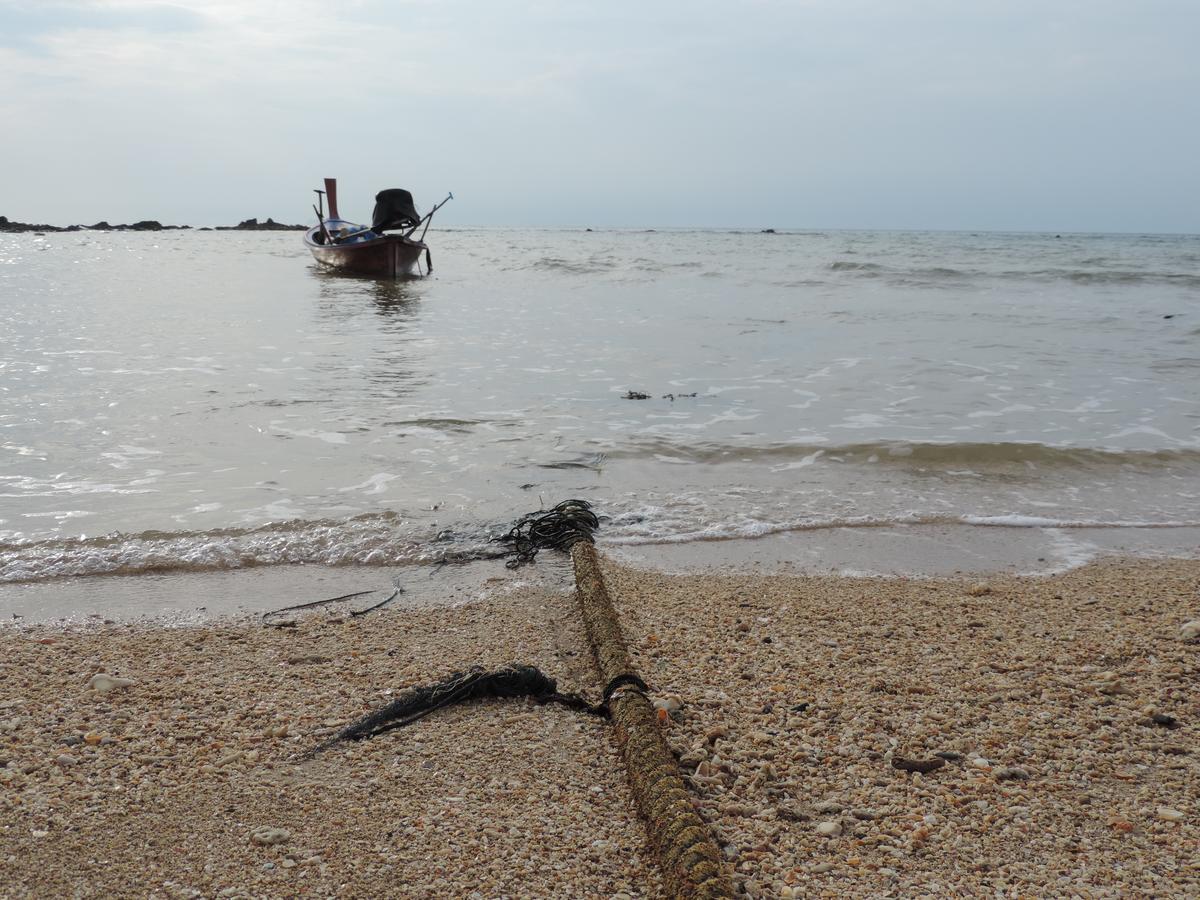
{"x": 798, "y": 697}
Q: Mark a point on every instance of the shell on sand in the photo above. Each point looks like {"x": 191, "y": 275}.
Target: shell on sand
{"x": 102, "y": 682}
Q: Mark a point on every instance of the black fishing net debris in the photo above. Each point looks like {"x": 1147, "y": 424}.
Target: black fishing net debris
{"x": 476, "y": 683}
{"x": 559, "y": 528}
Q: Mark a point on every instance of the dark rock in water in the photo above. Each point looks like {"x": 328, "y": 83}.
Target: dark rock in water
{"x": 767, "y": 231}
{"x": 19, "y": 227}
{"x": 144, "y": 225}
{"x": 10, "y": 227}
{"x": 255, "y": 225}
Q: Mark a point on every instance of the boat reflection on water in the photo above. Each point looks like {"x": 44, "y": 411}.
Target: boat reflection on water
{"x": 343, "y": 296}
{"x": 394, "y": 298}
{"x": 377, "y": 315}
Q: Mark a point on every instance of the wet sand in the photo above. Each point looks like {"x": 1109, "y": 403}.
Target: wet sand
{"x": 798, "y": 694}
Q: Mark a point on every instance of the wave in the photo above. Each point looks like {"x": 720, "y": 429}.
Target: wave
{"x": 1176, "y": 279}
{"x": 959, "y": 455}
{"x": 1082, "y": 276}
{"x": 378, "y": 539}
{"x": 461, "y": 426}
{"x": 372, "y": 539}
{"x": 589, "y": 266}
{"x": 866, "y": 268}
{"x": 751, "y": 528}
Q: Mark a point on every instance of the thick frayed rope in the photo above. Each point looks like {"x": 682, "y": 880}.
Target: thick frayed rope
{"x": 692, "y": 864}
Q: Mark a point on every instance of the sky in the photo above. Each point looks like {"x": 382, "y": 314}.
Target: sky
{"x": 928, "y": 114}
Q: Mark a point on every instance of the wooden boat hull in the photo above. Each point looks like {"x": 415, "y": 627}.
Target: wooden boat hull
{"x": 389, "y": 256}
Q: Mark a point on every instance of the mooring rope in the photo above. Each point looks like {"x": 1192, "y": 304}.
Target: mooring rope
{"x": 691, "y": 862}
{"x": 692, "y": 865}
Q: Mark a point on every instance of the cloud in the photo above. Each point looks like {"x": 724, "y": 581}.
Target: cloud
{"x": 572, "y": 111}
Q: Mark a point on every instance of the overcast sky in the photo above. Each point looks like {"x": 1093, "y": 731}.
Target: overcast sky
{"x": 946, "y": 114}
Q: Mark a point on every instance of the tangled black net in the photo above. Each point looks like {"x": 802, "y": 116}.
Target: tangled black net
{"x": 559, "y": 528}
{"x": 476, "y": 683}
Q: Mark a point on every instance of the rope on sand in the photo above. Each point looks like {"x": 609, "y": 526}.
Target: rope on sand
{"x": 691, "y": 862}
{"x": 692, "y": 865}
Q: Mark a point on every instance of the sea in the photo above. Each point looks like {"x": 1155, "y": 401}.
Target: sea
{"x": 864, "y": 402}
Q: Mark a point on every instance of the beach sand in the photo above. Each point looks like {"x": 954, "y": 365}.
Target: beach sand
{"x": 797, "y": 695}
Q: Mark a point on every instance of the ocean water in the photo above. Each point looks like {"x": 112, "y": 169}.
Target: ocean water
{"x": 204, "y": 401}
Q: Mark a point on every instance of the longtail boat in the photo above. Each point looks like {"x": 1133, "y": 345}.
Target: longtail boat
{"x": 367, "y": 249}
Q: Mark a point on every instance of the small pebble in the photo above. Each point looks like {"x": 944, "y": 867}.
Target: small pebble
{"x": 265, "y": 836}
{"x": 831, "y": 828}
{"x": 1189, "y": 631}
{"x": 102, "y": 683}
{"x": 1167, "y": 814}
{"x": 717, "y": 731}
{"x": 670, "y": 705}
{"x": 1011, "y": 773}
{"x": 924, "y": 766}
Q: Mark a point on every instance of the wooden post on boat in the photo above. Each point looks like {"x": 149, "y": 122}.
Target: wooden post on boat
{"x": 331, "y": 196}
{"x": 691, "y": 862}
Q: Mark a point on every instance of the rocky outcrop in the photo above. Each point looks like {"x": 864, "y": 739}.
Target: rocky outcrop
{"x": 7, "y": 226}
{"x": 255, "y": 225}
{"x": 145, "y": 225}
